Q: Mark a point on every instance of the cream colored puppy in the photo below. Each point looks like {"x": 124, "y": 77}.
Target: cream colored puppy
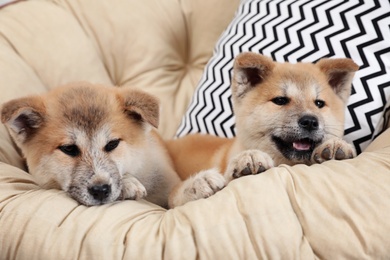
{"x": 96, "y": 143}
{"x": 285, "y": 114}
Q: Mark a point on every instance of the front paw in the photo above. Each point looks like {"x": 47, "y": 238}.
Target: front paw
{"x": 133, "y": 189}
{"x": 248, "y": 163}
{"x": 199, "y": 186}
{"x": 334, "y": 148}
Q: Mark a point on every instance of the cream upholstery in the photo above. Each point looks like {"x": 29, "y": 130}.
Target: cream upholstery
{"x": 337, "y": 210}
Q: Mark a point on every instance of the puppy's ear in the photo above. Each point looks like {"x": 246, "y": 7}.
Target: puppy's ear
{"x": 339, "y": 73}
{"x": 23, "y": 117}
{"x": 250, "y": 69}
{"x": 141, "y": 106}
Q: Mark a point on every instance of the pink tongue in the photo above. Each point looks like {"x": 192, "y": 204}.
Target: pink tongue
{"x": 302, "y": 145}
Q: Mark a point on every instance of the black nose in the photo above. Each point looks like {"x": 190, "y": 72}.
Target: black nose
{"x": 100, "y": 192}
{"x": 308, "y": 122}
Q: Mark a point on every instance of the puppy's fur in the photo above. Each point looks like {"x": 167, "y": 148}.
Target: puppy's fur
{"x": 285, "y": 114}
{"x": 96, "y": 143}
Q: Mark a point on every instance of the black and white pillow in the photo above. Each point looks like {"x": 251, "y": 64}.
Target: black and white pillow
{"x": 302, "y": 30}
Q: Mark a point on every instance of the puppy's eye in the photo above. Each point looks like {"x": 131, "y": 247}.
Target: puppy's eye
{"x": 319, "y": 103}
{"x": 71, "y": 150}
{"x": 111, "y": 145}
{"x": 281, "y": 101}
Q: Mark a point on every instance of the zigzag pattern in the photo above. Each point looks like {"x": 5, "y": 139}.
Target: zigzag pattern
{"x": 302, "y": 30}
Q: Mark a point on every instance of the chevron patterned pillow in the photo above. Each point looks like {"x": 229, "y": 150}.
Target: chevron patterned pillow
{"x": 305, "y": 31}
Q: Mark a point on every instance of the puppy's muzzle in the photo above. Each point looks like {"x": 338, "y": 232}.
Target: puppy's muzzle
{"x": 100, "y": 192}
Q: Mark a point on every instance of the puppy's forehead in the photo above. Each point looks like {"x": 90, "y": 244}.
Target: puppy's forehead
{"x": 85, "y": 108}
{"x": 85, "y": 139}
{"x": 298, "y": 89}
{"x": 296, "y": 81}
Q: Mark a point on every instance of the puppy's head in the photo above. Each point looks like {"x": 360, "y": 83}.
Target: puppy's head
{"x": 82, "y": 138}
{"x": 289, "y": 109}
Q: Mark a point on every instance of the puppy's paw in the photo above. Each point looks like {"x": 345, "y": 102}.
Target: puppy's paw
{"x": 132, "y": 189}
{"x": 334, "y": 148}
{"x": 199, "y": 186}
{"x": 248, "y": 163}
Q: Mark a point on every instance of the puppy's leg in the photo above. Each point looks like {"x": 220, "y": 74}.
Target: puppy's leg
{"x": 247, "y": 163}
{"x": 334, "y": 148}
{"x": 132, "y": 188}
{"x": 201, "y": 185}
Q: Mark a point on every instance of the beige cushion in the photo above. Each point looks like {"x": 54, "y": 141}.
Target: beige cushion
{"x": 337, "y": 210}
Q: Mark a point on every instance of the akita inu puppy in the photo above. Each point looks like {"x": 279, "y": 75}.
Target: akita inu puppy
{"x": 96, "y": 143}
{"x": 285, "y": 114}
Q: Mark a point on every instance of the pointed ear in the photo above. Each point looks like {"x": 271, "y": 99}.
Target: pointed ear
{"x": 141, "y": 106}
{"x": 339, "y": 73}
{"x": 250, "y": 69}
{"x": 23, "y": 117}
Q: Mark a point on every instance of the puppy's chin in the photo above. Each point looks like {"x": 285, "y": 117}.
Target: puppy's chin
{"x": 295, "y": 149}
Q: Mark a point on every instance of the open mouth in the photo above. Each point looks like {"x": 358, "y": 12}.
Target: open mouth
{"x": 303, "y": 145}
{"x": 295, "y": 149}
